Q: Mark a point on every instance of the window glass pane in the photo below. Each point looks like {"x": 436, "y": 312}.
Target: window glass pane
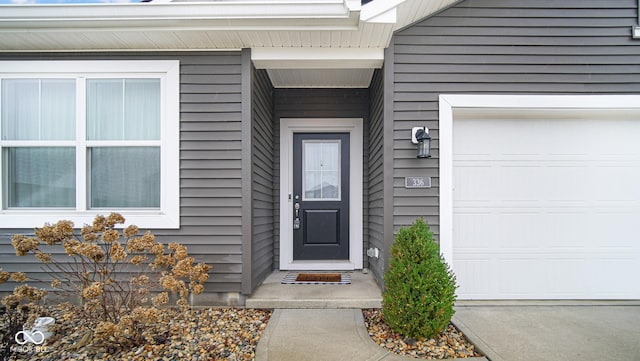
{"x": 40, "y": 177}
{"x": 125, "y": 177}
{"x": 321, "y": 170}
{"x": 38, "y": 109}
{"x": 58, "y": 109}
{"x": 104, "y": 109}
{"x": 123, "y": 109}
{"x": 142, "y": 109}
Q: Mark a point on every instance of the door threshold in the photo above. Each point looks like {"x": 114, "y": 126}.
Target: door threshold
{"x": 328, "y": 265}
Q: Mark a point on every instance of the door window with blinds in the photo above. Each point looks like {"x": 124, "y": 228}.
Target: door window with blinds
{"x": 321, "y": 170}
{"x": 83, "y": 142}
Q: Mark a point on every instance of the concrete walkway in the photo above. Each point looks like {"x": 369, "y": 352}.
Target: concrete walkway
{"x": 559, "y": 333}
{"x": 320, "y": 335}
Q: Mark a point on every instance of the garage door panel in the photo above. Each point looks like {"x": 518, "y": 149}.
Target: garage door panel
{"x": 546, "y": 208}
{"x": 518, "y": 230}
{"x": 521, "y": 278}
{"x": 613, "y": 278}
{"x": 474, "y": 183}
{"x": 478, "y": 272}
{"x": 472, "y": 225}
{"x": 565, "y": 277}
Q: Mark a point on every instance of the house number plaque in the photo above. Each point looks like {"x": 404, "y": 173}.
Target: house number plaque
{"x": 417, "y": 182}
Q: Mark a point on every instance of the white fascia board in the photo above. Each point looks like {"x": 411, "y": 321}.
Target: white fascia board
{"x": 317, "y": 58}
{"x": 380, "y": 11}
{"x": 161, "y": 14}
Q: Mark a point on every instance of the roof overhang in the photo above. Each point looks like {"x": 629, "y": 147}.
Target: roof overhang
{"x": 273, "y": 29}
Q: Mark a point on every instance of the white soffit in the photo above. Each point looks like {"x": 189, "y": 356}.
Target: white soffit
{"x": 320, "y": 78}
{"x": 210, "y": 25}
{"x": 317, "y": 58}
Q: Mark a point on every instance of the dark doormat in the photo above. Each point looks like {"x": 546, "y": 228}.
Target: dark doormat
{"x": 317, "y": 279}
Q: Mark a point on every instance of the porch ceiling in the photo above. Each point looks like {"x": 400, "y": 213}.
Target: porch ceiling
{"x": 165, "y": 25}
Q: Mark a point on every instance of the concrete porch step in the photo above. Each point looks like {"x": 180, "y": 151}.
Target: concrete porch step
{"x": 363, "y": 292}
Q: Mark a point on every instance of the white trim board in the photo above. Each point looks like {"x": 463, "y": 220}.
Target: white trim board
{"x": 450, "y": 103}
{"x": 353, "y": 126}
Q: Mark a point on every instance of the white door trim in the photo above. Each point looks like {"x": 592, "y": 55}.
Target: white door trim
{"x": 353, "y": 126}
{"x": 449, "y": 103}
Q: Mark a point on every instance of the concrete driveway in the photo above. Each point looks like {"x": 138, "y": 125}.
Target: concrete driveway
{"x": 513, "y": 333}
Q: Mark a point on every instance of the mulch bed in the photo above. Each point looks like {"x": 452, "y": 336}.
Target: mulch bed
{"x": 449, "y": 344}
{"x": 202, "y": 334}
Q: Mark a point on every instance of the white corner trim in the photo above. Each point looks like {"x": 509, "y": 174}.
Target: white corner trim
{"x": 317, "y": 58}
{"x": 353, "y": 126}
{"x": 449, "y": 103}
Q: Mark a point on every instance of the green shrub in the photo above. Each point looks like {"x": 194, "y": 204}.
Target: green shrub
{"x": 419, "y": 286}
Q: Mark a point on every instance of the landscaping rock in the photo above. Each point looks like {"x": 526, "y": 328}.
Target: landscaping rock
{"x": 449, "y": 344}
{"x": 204, "y": 334}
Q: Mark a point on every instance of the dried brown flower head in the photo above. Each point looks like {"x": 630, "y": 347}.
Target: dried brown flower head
{"x": 161, "y": 299}
{"x": 117, "y": 252}
{"x": 157, "y": 249}
{"x": 113, "y": 219}
{"x": 179, "y": 250}
{"x": 147, "y": 314}
{"x": 94, "y": 290}
{"x": 163, "y": 260}
{"x": 110, "y": 235}
{"x": 71, "y": 247}
{"x": 141, "y": 244}
{"x": 43, "y": 257}
{"x": 19, "y": 277}
{"x": 168, "y": 282}
{"x": 31, "y": 293}
{"x": 200, "y": 273}
{"x": 55, "y": 283}
{"x": 11, "y": 301}
{"x": 137, "y": 260}
{"x": 99, "y": 223}
{"x": 140, "y": 280}
{"x": 91, "y": 251}
{"x": 183, "y": 268}
{"x": 4, "y": 276}
{"x": 197, "y": 289}
{"x": 23, "y": 244}
{"x": 89, "y": 233}
{"x": 104, "y": 330}
{"x": 130, "y": 231}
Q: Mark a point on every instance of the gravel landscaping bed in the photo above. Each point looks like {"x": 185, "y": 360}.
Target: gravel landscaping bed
{"x": 449, "y": 344}
{"x": 202, "y": 334}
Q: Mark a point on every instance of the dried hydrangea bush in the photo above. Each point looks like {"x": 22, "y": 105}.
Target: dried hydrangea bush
{"x": 121, "y": 277}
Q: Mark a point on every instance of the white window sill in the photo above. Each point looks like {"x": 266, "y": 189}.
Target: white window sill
{"x": 30, "y": 219}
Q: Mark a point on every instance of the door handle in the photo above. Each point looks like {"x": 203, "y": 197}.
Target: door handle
{"x": 296, "y": 221}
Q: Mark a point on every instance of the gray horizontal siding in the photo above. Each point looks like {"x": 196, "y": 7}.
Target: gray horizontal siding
{"x": 262, "y": 178}
{"x": 319, "y": 103}
{"x": 210, "y": 164}
{"x": 375, "y": 174}
{"x": 501, "y": 46}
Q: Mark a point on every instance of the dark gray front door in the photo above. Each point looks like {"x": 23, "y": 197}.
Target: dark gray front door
{"x": 321, "y": 196}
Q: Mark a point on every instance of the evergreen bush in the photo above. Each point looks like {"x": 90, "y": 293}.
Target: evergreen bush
{"x": 419, "y": 286}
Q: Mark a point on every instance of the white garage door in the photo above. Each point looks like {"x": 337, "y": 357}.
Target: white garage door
{"x": 546, "y": 205}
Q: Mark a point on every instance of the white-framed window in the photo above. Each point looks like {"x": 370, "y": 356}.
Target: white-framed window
{"x": 80, "y": 138}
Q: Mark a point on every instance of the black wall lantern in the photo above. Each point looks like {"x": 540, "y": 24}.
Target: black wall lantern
{"x": 420, "y": 136}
